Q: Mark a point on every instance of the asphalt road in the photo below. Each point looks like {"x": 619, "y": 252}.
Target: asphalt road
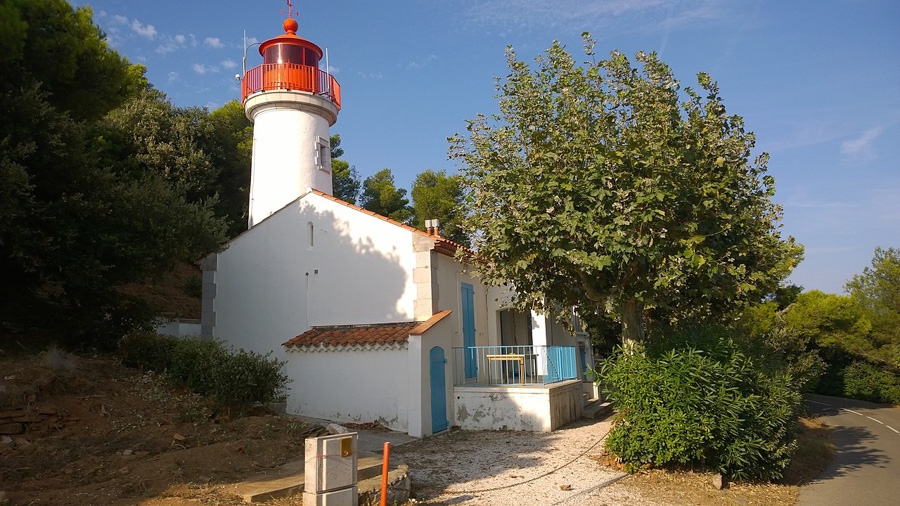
{"x": 866, "y": 469}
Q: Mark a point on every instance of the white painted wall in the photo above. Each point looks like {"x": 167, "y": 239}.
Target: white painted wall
{"x": 286, "y": 127}
{"x": 536, "y": 408}
{"x": 350, "y": 385}
{"x": 179, "y": 327}
{"x": 272, "y": 284}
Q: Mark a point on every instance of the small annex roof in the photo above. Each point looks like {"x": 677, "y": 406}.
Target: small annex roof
{"x": 366, "y": 334}
{"x": 348, "y": 335}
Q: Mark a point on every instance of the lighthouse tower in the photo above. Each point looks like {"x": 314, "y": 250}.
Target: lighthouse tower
{"x": 291, "y": 103}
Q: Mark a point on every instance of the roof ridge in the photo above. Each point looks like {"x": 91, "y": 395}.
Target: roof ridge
{"x": 455, "y": 245}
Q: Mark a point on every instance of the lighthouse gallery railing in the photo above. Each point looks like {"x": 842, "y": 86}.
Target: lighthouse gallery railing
{"x": 290, "y": 76}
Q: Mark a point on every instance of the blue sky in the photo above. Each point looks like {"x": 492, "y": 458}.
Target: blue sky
{"x": 817, "y": 81}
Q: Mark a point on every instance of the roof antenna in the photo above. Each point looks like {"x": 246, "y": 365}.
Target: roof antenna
{"x": 290, "y": 11}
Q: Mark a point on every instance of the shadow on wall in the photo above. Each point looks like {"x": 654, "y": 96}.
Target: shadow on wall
{"x": 360, "y": 270}
{"x": 302, "y": 267}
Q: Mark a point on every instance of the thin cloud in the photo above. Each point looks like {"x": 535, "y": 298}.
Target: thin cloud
{"x": 173, "y": 76}
{"x": 860, "y": 148}
{"x": 421, "y": 62}
{"x": 531, "y": 13}
{"x": 179, "y": 38}
{"x": 213, "y": 42}
{"x": 147, "y": 31}
{"x": 122, "y": 20}
{"x": 332, "y": 69}
{"x": 202, "y": 68}
{"x": 370, "y": 75}
{"x": 228, "y": 64}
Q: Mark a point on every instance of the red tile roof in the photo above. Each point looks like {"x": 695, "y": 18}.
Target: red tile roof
{"x": 347, "y": 335}
{"x": 444, "y": 246}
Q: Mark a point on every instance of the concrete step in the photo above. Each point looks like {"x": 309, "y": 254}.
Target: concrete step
{"x": 288, "y": 480}
{"x": 596, "y": 409}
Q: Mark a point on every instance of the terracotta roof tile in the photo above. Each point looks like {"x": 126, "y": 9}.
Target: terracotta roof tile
{"x": 347, "y": 335}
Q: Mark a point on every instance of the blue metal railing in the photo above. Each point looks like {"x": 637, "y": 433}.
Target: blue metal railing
{"x": 513, "y": 365}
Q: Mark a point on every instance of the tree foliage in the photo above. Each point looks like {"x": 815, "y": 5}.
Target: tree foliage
{"x": 877, "y": 291}
{"x": 80, "y": 216}
{"x": 698, "y": 397}
{"x": 344, "y": 177}
{"x": 380, "y": 195}
{"x": 51, "y": 43}
{"x": 435, "y": 195}
{"x": 599, "y": 187}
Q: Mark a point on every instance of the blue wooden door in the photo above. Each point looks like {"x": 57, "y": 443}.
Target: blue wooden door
{"x": 438, "y": 390}
{"x": 468, "y": 317}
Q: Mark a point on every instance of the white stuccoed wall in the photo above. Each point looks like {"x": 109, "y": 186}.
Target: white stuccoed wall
{"x": 359, "y": 271}
{"x": 286, "y": 126}
{"x": 351, "y": 385}
{"x": 535, "y": 408}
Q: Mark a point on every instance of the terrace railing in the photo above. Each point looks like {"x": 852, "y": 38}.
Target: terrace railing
{"x": 291, "y": 77}
{"x": 513, "y": 365}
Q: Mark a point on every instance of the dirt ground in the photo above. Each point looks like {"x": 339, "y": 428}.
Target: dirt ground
{"x": 86, "y": 430}
{"x": 90, "y": 431}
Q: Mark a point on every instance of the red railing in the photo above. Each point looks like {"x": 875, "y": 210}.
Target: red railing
{"x": 290, "y": 76}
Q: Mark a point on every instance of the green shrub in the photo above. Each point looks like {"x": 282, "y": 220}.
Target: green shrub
{"x": 868, "y": 382}
{"x": 230, "y": 379}
{"x": 147, "y": 350}
{"x": 696, "y": 398}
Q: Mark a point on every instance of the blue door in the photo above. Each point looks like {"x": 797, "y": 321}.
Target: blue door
{"x": 468, "y": 317}
{"x": 438, "y": 390}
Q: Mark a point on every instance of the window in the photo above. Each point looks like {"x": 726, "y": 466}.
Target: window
{"x": 311, "y": 230}
{"x": 323, "y": 154}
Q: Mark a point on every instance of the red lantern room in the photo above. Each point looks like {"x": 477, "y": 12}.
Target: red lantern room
{"x": 290, "y": 63}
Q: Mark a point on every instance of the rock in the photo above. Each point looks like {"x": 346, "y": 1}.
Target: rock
{"x": 127, "y": 452}
{"x": 565, "y": 487}
{"x": 6, "y": 441}
{"x": 334, "y": 428}
{"x": 178, "y": 437}
{"x": 21, "y": 443}
{"x": 3, "y": 499}
{"x": 718, "y": 481}
{"x": 12, "y": 428}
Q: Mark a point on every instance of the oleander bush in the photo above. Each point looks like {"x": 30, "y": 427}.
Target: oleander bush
{"x": 231, "y": 379}
{"x": 697, "y": 398}
{"x": 865, "y": 381}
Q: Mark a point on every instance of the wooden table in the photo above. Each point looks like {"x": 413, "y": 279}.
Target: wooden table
{"x": 507, "y": 357}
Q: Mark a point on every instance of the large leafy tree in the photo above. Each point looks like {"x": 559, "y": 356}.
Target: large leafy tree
{"x": 877, "y": 291}
{"x": 226, "y": 136}
{"x": 435, "y": 195}
{"x": 607, "y": 187}
{"x": 380, "y": 195}
{"x": 80, "y": 217}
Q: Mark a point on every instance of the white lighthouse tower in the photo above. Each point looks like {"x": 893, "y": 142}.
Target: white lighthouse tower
{"x": 291, "y": 103}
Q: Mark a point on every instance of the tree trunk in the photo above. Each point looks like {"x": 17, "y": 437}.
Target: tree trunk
{"x": 632, "y": 312}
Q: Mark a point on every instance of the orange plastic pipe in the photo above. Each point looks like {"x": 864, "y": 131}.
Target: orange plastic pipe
{"x": 384, "y": 473}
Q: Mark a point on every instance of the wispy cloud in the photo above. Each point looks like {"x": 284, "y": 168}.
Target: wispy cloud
{"x": 332, "y": 70}
{"x": 202, "y": 68}
{"x": 147, "y": 31}
{"x": 532, "y": 13}
{"x": 228, "y": 64}
{"x": 213, "y": 42}
{"x": 173, "y": 76}
{"x": 370, "y": 75}
{"x": 860, "y": 148}
{"x": 179, "y": 38}
{"x": 421, "y": 62}
{"x": 122, "y": 20}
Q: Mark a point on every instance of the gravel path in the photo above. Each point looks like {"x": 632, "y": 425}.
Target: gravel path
{"x": 502, "y": 468}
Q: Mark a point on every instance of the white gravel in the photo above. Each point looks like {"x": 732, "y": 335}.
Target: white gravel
{"x": 503, "y": 468}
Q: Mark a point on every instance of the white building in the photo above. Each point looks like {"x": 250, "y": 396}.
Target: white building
{"x": 375, "y": 319}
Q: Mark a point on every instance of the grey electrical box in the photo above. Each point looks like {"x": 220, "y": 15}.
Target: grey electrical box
{"x": 331, "y": 471}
